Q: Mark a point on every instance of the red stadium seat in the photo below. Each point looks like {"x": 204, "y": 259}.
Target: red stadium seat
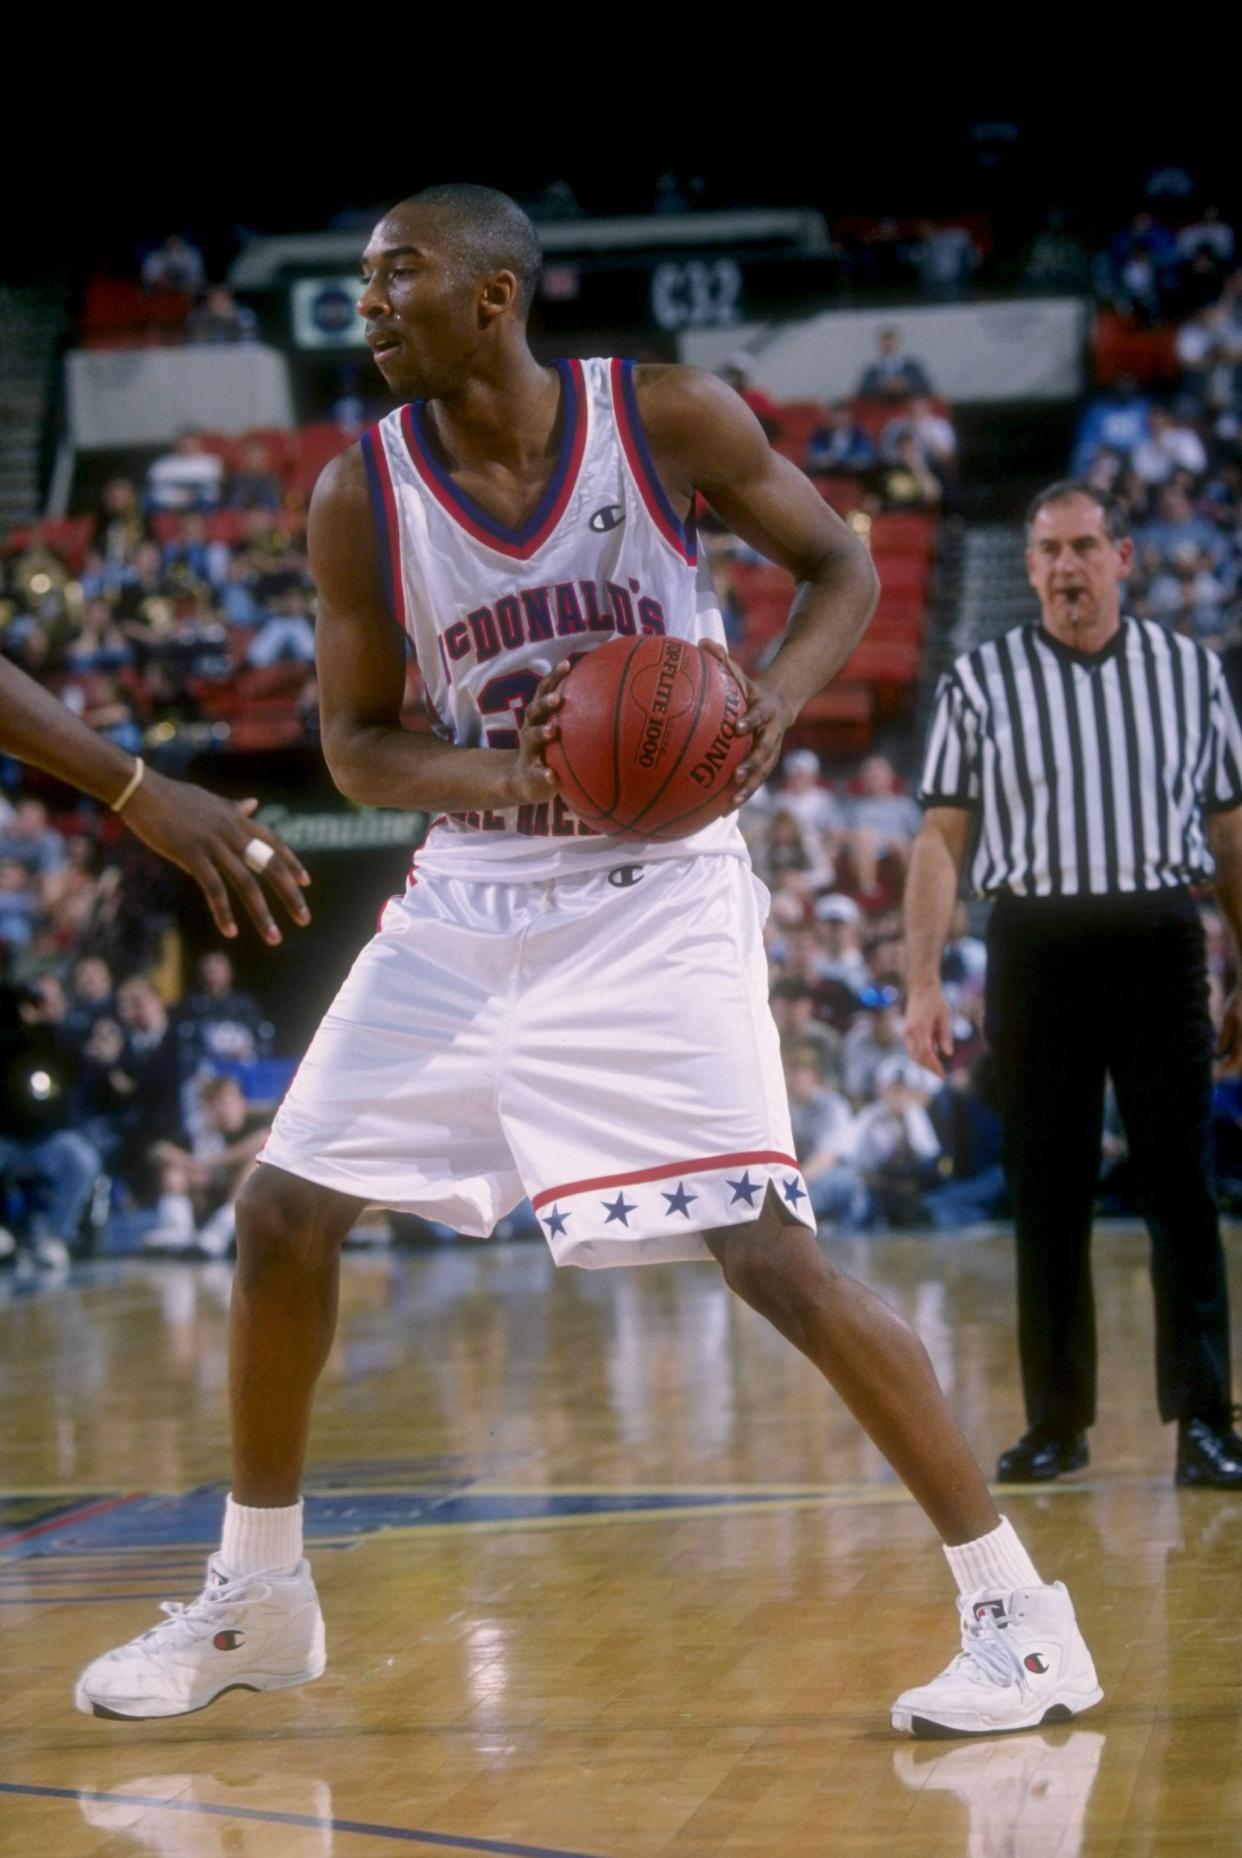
{"x": 800, "y": 419}
{"x": 843, "y": 493}
{"x": 66, "y": 536}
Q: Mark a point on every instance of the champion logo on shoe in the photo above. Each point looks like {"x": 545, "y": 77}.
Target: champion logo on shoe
{"x": 228, "y": 1641}
{"x": 1035, "y": 1661}
{"x": 995, "y": 1607}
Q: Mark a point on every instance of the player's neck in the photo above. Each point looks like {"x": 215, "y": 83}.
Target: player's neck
{"x": 504, "y": 416}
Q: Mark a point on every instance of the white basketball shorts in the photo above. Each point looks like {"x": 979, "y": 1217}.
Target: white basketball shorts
{"x": 600, "y": 1042}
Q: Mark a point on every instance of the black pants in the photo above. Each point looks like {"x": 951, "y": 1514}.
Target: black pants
{"x": 1077, "y": 988}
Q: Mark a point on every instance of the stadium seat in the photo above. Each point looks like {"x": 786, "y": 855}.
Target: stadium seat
{"x": 68, "y": 536}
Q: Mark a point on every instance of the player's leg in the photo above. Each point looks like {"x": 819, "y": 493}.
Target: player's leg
{"x": 257, "y": 1623}
{"x": 398, "y": 1068}
{"x": 1023, "y": 1660}
{"x": 281, "y": 1323}
{"x": 869, "y": 1355}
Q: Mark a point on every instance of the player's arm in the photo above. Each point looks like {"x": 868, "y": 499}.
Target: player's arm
{"x": 937, "y": 860}
{"x": 704, "y": 438}
{"x": 206, "y": 836}
{"x": 1224, "y": 835}
{"x": 360, "y": 655}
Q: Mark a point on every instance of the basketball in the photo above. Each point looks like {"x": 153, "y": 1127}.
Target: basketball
{"x": 648, "y": 739}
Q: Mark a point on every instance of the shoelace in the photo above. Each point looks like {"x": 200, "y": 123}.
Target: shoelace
{"x": 187, "y": 1622}
{"x": 986, "y": 1657}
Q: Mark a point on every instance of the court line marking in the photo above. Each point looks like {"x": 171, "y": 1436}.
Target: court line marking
{"x": 315, "y": 1822}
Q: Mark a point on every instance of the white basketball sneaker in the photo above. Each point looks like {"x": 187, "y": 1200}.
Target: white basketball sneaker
{"x": 252, "y": 1632}
{"x": 1023, "y": 1662}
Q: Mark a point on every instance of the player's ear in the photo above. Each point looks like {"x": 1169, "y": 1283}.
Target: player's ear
{"x": 499, "y": 296}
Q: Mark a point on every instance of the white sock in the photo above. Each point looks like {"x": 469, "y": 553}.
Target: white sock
{"x": 261, "y": 1541}
{"x": 996, "y": 1561}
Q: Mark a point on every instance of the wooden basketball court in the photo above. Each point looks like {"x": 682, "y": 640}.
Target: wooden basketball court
{"x": 607, "y": 1573}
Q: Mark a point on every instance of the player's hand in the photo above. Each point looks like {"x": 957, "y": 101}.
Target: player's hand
{"x": 533, "y": 778}
{"x": 1229, "y": 1038}
{"x": 207, "y": 837}
{"x": 765, "y": 719}
{"x": 929, "y": 1028}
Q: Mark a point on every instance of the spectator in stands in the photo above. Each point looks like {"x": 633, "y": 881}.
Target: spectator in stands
{"x": 822, "y": 1123}
{"x": 1177, "y": 529}
{"x": 896, "y": 1148}
{"x": 189, "y": 477}
{"x": 175, "y": 265}
{"x": 219, "y": 1023}
{"x": 237, "y": 596}
{"x": 1142, "y": 267}
{"x": 143, "y": 586}
{"x": 968, "y": 1127}
{"x": 220, "y": 318}
{"x": 946, "y": 258}
{"x": 882, "y": 823}
{"x": 1209, "y": 350}
{"x": 1057, "y": 259}
{"x": 791, "y": 846}
{"x": 285, "y": 634}
{"x": 793, "y": 1009}
{"x": 20, "y": 906}
{"x": 1118, "y": 421}
{"x": 99, "y": 643}
{"x": 839, "y": 929}
{"x": 120, "y": 523}
{"x": 199, "y": 1183}
{"x": 1189, "y": 596}
{"x": 909, "y": 483}
{"x": 253, "y": 486}
{"x": 29, "y": 841}
{"x": 739, "y": 372}
{"x": 803, "y": 792}
{"x": 48, "y": 1168}
{"x": 1168, "y": 447}
{"x": 90, "y": 996}
{"x": 873, "y": 1038}
{"x": 893, "y": 375}
{"x": 840, "y": 447}
{"x": 932, "y": 433}
{"x": 190, "y": 560}
{"x": 1209, "y": 233}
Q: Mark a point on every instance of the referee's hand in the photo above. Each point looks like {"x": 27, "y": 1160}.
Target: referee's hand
{"x": 929, "y": 1028}
{"x": 1229, "y": 1038}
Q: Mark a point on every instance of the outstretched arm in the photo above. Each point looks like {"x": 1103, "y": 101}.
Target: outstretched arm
{"x": 204, "y": 835}
{"x": 704, "y": 438}
{"x": 360, "y": 652}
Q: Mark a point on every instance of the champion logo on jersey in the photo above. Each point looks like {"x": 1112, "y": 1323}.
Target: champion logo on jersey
{"x": 610, "y": 517}
{"x": 228, "y": 1641}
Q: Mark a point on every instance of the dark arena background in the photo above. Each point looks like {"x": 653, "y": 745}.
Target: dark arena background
{"x": 608, "y": 1573}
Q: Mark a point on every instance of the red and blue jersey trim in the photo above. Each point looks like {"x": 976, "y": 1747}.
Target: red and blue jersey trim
{"x": 679, "y": 536}
{"x": 702, "y": 1164}
{"x": 517, "y": 544}
{"x": 384, "y": 509}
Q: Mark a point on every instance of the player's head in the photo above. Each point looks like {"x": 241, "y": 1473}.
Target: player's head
{"x": 1078, "y": 553}
{"x": 448, "y": 275}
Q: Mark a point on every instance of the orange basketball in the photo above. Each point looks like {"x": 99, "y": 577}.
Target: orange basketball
{"x": 648, "y": 738}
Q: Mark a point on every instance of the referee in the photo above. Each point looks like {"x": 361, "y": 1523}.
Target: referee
{"x": 1095, "y": 761}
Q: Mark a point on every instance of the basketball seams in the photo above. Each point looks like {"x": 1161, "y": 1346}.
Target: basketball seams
{"x": 680, "y": 819}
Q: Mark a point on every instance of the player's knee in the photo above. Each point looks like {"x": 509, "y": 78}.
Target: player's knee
{"x": 284, "y": 1223}
{"x": 772, "y": 1270}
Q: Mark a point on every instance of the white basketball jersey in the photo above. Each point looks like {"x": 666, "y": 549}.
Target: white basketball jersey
{"x": 492, "y": 610}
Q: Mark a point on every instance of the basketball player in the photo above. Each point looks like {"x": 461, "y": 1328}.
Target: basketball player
{"x": 214, "y": 840}
{"x": 546, "y": 1011}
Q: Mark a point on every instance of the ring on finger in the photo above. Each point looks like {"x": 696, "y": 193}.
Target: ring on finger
{"x": 258, "y": 854}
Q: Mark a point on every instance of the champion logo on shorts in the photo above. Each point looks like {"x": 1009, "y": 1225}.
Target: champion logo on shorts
{"x": 623, "y": 875}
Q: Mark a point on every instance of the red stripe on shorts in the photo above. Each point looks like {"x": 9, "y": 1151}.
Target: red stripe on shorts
{"x": 699, "y": 1166}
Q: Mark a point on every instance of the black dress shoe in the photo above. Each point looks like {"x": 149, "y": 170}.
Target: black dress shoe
{"x": 1209, "y": 1455}
{"x": 1040, "y": 1455}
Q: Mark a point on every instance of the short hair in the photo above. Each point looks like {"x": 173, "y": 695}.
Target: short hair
{"x": 493, "y": 232}
{"x": 1116, "y": 515}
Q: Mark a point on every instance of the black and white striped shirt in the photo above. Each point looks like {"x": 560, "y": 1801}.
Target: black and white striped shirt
{"x": 1091, "y": 774}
